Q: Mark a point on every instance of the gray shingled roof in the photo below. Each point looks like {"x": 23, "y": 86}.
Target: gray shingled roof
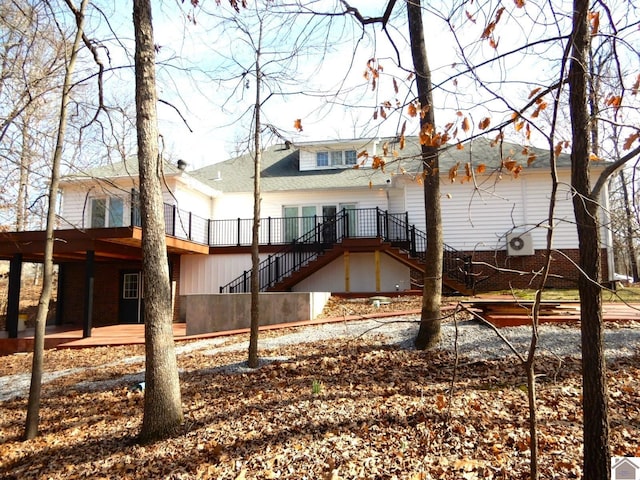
{"x": 280, "y": 167}
{"x": 127, "y": 168}
{"x": 280, "y": 172}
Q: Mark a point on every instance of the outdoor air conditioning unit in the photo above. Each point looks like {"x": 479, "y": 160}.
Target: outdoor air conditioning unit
{"x": 519, "y": 244}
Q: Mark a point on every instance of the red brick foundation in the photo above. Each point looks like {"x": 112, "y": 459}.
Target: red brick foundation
{"x": 494, "y": 270}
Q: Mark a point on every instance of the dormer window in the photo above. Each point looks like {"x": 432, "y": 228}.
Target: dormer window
{"x": 322, "y": 159}
{"x": 350, "y": 157}
{"x": 336, "y": 158}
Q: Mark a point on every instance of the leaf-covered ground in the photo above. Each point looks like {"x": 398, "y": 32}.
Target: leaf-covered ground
{"x": 323, "y": 410}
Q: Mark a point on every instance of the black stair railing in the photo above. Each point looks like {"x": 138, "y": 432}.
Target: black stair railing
{"x": 455, "y": 265}
{"x": 299, "y": 253}
{"x": 351, "y": 223}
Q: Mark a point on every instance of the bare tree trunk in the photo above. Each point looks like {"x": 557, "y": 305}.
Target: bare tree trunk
{"x": 253, "y": 360}
{"x": 628, "y": 218}
{"x": 597, "y": 455}
{"x": 430, "y": 320}
{"x": 25, "y": 160}
{"x": 162, "y": 399}
{"x": 33, "y": 406}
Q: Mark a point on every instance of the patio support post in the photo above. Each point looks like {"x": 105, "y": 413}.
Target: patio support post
{"x": 89, "y": 268}
{"x": 60, "y": 295}
{"x": 13, "y": 300}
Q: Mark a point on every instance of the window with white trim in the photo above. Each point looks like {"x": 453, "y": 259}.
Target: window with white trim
{"x": 322, "y": 159}
{"x": 107, "y": 212}
{"x": 350, "y": 157}
{"x": 336, "y": 158}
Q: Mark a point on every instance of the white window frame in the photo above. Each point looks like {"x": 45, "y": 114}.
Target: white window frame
{"x": 336, "y": 158}
{"x": 113, "y": 214}
{"x": 350, "y": 161}
{"x": 302, "y": 224}
{"x": 322, "y": 159}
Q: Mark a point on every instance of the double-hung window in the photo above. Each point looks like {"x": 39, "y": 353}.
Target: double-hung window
{"x": 336, "y": 159}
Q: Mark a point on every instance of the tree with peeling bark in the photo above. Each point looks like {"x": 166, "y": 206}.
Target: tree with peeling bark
{"x": 162, "y": 398}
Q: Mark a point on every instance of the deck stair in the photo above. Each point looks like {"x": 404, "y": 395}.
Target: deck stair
{"x": 364, "y": 230}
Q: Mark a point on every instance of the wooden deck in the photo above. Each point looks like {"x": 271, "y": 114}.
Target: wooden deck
{"x": 508, "y": 313}
{"x": 71, "y": 337}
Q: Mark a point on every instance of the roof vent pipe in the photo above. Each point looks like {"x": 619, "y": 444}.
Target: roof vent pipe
{"x": 182, "y": 165}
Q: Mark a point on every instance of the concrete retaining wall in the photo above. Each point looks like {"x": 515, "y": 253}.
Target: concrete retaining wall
{"x": 232, "y": 311}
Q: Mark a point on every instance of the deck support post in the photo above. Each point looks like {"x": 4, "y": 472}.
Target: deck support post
{"x": 13, "y": 295}
{"x": 60, "y": 294}
{"x": 88, "y": 293}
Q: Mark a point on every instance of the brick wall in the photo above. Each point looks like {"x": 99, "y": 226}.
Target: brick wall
{"x": 106, "y": 292}
{"x": 494, "y": 270}
{"x": 106, "y": 296}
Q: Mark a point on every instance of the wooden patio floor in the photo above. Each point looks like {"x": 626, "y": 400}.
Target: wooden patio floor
{"x": 133, "y": 334}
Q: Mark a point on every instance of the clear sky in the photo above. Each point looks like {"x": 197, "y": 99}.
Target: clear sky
{"x": 206, "y": 72}
{"x": 201, "y": 62}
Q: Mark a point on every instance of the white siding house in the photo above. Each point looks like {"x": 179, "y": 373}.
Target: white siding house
{"x": 330, "y": 222}
{"x": 320, "y": 179}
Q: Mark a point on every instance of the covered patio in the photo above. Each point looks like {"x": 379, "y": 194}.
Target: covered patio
{"x": 79, "y": 252}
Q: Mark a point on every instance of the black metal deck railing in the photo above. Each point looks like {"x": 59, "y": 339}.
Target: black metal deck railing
{"x": 178, "y": 223}
{"x": 302, "y": 238}
{"x": 323, "y": 234}
{"x": 349, "y": 223}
